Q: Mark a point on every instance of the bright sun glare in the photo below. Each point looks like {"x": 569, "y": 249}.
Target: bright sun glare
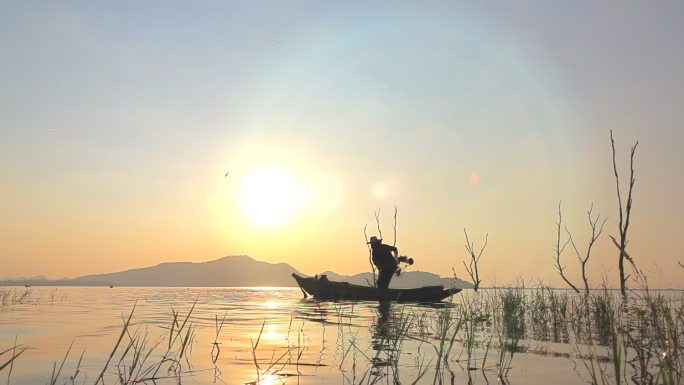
{"x": 270, "y": 196}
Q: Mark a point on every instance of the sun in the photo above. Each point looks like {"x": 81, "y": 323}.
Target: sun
{"x": 270, "y": 196}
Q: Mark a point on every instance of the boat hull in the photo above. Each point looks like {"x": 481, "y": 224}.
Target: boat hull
{"x": 323, "y": 289}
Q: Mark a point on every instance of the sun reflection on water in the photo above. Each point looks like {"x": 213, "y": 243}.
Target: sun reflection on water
{"x": 267, "y": 379}
{"x": 271, "y": 333}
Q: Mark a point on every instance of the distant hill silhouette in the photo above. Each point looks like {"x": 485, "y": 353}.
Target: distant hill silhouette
{"x": 34, "y": 278}
{"x": 230, "y": 271}
{"x": 236, "y": 270}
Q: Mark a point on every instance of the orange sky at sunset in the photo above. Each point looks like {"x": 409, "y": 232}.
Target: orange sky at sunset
{"x": 119, "y": 122}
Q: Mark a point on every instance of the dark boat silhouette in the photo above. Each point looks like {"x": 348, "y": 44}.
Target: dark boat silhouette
{"x": 323, "y": 289}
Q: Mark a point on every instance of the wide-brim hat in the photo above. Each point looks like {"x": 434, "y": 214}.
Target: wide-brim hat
{"x": 374, "y": 239}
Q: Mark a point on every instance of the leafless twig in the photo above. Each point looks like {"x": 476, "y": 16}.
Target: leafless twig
{"x": 629, "y": 258}
{"x": 370, "y": 254}
{"x": 594, "y": 236}
{"x": 394, "y": 226}
{"x": 624, "y": 214}
{"x": 559, "y": 250}
{"x": 377, "y": 222}
{"x": 471, "y": 268}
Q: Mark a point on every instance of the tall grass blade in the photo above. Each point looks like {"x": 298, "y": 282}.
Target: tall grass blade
{"x": 100, "y": 378}
{"x": 55, "y": 376}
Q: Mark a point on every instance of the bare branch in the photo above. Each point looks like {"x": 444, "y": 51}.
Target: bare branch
{"x": 631, "y": 187}
{"x": 394, "y": 226}
{"x": 474, "y": 260}
{"x": 624, "y": 214}
{"x": 617, "y": 179}
{"x": 559, "y": 250}
{"x": 595, "y": 233}
{"x": 483, "y": 246}
{"x": 572, "y": 243}
{"x": 377, "y": 222}
{"x": 623, "y": 252}
{"x": 639, "y": 273}
{"x": 468, "y": 270}
{"x": 370, "y": 254}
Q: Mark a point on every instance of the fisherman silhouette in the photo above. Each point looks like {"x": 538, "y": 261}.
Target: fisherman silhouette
{"x": 385, "y": 259}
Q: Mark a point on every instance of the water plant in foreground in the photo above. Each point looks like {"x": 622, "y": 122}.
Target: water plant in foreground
{"x": 8, "y": 356}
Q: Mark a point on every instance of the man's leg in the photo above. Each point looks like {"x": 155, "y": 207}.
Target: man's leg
{"x": 385, "y": 276}
{"x": 383, "y": 281}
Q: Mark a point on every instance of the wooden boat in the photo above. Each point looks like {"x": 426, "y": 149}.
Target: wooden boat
{"x": 323, "y": 289}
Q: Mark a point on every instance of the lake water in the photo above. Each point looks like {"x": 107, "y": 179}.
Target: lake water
{"x": 267, "y": 336}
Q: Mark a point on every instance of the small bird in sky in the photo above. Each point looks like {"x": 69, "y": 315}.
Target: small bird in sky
{"x": 226, "y": 176}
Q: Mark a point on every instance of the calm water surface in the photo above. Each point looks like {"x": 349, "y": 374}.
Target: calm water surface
{"x": 299, "y": 341}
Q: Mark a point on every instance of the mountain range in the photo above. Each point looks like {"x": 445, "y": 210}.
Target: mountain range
{"x": 229, "y": 271}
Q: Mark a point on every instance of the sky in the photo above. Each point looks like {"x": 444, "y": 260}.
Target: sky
{"x": 135, "y": 133}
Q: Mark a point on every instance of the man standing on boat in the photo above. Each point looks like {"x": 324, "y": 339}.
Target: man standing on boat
{"x": 385, "y": 258}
